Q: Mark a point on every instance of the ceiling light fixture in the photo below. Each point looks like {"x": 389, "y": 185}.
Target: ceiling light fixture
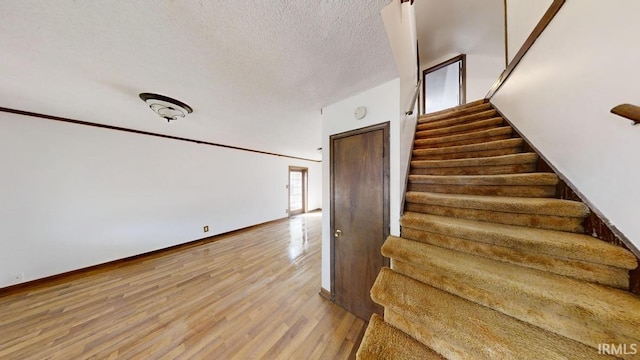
{"x": 166, "y": 107}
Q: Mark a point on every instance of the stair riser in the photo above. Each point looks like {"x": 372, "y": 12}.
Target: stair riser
{"x": 459, "y": 329}
{"x": 476, "y": 170}
{"x": 460, "y": 129}
{"x": 491, "y": 145}
{"x": 454, "y": 109}
{"x": 430, "y": 124}
{"x": 469, "y": 154}
{"x": 448, "y": 114}
{"x": 488, "y": 190}
{"x": 536, "y": 221}
{"x": 582, "y": 270}
{"x": 421, "y": 145}
{"x": 538, "y": 179}
{"x": 423, "y": 136}
{"x": 504, "y": 130}
{"x": 556, "y": 207}
{"x": 567, "y": 320}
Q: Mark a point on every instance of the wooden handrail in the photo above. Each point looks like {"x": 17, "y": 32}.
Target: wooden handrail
{"x": 542, "y": 24}
{"x": 413, "y": 138}
{"x": 629, "y": 111}
{"x": 412, "y": 105}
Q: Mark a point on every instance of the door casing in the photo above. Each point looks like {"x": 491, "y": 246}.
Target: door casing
{"x": 305, "y": 172}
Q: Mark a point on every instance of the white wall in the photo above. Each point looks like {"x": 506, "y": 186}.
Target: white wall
{"x": 582, "y": 65}
{"x": 482, "y": 71}
{"x": 73, "y": 196}
{"x": 522, "y": 17}
{"x": 382, "y": 104}
{"x": 442, "y": 88}
{"x": 400, "y": 24}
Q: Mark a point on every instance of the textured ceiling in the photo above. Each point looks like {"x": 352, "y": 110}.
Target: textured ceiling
{"x": 459, "y": 26}
{"x": 255, "y": 72}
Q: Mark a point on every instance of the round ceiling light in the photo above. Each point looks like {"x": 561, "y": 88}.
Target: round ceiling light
{"x": 166, "y": 107}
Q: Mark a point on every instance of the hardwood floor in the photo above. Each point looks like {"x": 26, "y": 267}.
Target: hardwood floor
{"x": 251, "y": 294}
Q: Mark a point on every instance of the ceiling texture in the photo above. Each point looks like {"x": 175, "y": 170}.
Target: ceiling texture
{"x": 255, "y": 72}
{"x": 459, "y": 27}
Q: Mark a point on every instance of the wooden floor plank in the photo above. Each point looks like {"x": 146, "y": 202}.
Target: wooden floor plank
{"x": 251, "y": 294}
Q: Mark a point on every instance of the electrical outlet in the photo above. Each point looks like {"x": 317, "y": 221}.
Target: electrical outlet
{"x": 286, "y": 211}
{"x": 206, "y": 228}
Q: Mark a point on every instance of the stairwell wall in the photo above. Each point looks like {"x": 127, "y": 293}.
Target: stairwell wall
{"x": 560, "y": 95}
{"x": 482, "y": 71}
{"x": 75, "y": 196}
{"x": 383, "y": 104}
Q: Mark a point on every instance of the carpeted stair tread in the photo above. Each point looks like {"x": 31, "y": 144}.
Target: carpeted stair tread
{"x": 554, "y": 243}
{"x": 505, "y": 164}
{"x": 476, "y": 170}
{"x": 589, "y": 313}
{"x": 460, "y": 129}
{"x": 555, "y": 207}
{"x": 523, "y": 158}
{"x": 550, "y": 222}
{"x": 499, "y": 133}
{"x": 491, "y": 145}
{"x": 382, "y": 341}
{"x": 427, "y": 124}
{"x": 520, "y": 185}
{"x": 504, "y": 179}
{"x": 460, "y": 329}
{"x": 577, "y": 269}
{"x": 543, "y": 213}
{"x": 470, "y": 108}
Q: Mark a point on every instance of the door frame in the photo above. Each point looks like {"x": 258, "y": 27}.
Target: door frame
{"x": 305, "y": 177}
{"x": 386, "y": 201}
{"x": 462, "y": 81}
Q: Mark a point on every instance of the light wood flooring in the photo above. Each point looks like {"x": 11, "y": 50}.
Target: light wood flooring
{"x": 252, "y": 294}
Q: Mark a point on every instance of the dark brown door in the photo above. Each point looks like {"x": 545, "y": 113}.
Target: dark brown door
{"x": 359, "y": 215}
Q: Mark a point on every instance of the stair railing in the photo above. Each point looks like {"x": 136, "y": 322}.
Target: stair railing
{"x": 410, "y": 111}
{"x": 412, "y": 105}
{"x": 542, "y": 24}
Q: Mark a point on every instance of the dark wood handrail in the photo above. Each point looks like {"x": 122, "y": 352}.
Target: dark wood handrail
{"x": 542, "y": 24}
{"x": 629, "y": 111}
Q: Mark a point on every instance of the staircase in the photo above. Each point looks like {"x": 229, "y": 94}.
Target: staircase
{"x": 490, "y": 264}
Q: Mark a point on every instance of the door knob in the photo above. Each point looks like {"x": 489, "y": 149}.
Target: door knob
{"x": 338, "y": 233}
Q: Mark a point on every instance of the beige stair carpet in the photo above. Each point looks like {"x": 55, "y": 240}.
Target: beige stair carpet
{"x": 461, "y": 329}
{"x": 429, "y": 124}
{"x": 553, "y": 243}
{"x": 551, "y": 214}
{"x": 490, "y": 264}
{"x": 500, "y": 133}
{"x": 460, "y": 129}
{"x": 588, "y": 313}
{"x": 582, "y": 270}
{"x": 382, "y": 341}
{"x": 505, "y": 164}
